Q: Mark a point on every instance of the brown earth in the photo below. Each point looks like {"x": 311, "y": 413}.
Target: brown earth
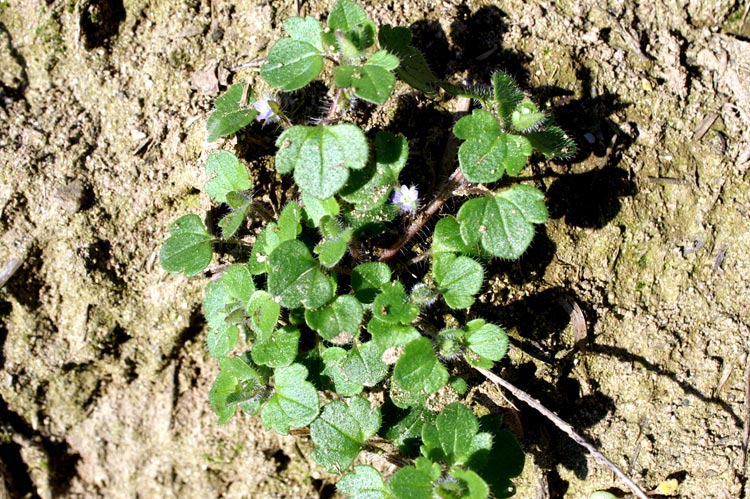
{"x": 104, "y": 371}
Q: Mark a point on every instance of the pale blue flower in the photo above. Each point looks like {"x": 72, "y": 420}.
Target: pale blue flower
{"x": 406, "y": 198}
{"x": 265, "y": 109}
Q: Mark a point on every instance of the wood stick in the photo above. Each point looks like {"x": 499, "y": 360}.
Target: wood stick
{"x": 565, "y": 427}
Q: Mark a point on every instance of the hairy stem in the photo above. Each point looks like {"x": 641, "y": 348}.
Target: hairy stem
{"x": 565, "y": 427}
{"x": 455, "y": 181}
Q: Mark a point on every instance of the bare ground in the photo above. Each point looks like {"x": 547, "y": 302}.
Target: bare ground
{"x": 104, "y": 373}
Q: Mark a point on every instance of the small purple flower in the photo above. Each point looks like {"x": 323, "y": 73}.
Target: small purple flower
{"x": 265, "y": 109}
{"x": 406, "y": 198}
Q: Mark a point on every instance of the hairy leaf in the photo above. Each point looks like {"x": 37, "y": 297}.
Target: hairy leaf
{"x": 459, "y": 278}
{"x": 230, "y": 115}
{"x": 341, "y": 430}
{"x": 294, "y": 403}
{"x": 278, "y": 349}
{"x": 488, "y": 152}
{"x": 387, "y": 335}
{"x": 415, "y": 482}
{"x": 226, "y": 174}
{"x": 365, "y": 482}
{"x": 294, "y": 62}
{"x": 368, "y": 278}
{"x": 418, "y": 372}
{"x": 295, "y": 278}
{"x": 337, "y": 320}
{"x": 321, "y": 156}
{"x": 503, "y": 224}
{"x": 355, "y": 31}
{"x": 316, "y": 209}
{"x": 507, "y": 94}
{"x": 188, "y": 249}
{"x": 393, "y": 306}
{"x": 413, "y": 68}
{"x": 263, "y": 313}
{"x": 487, "y": 342}
{"x": 237, "y": 385}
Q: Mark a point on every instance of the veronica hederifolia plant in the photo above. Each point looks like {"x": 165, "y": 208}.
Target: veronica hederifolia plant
{"x": 307, "y": 321}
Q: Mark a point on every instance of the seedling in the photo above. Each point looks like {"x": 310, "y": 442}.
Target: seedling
{"x": 315, "y": 306}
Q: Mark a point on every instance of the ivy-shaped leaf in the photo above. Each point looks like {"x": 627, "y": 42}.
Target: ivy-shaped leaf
{"x": 333, "y": 359}
{"x": 321, "y": 156}
{"x": 230, "y": 115}
{"x": 294, "y": 62}
{"x": 417, "y": 374}
{"x": 263, "y": 313}
{"x": 365, "y": 482}
{"x": 415, "y": 482}
{"x": 226, "y": 174}
{"x": 503, "y": 224}
{"x": 406, "y": 432}
{"x": 463, "y": 483}
{"x": 447, "y": 238}
{"x": 188, "y": 249}
{"x": 238, "y": 283}
{"x": 363, "y": 365}
{"x": 553, "y": 142}
{"x": 295, "y": 278}
{"x": 527, "y": 118}
{"x": 393, "y": 305}
{"x": 487, "y": 152}
{"x": 487, "y": 342}
{"x": 294, "y": 403}
{"x": 240, "y": 204}
{"x": 341, "y": 430}
{"x": 316, "y": 209}
{"x": 236, "y": 385}
{"x": 387, "y": 335}
{"x": 335, "y": 243}
{"x": 413, "y": 68}
{"x": 349, "y": 28}
{"x": 338, "y": 321}
{"x": 459, "y": 278}
{"x": 370, "y": 187}
{"x": 373, "y": 81}
{"x": 278, "y": 349}
{"x": 451, "y": 440}
{"x": 507, "y": 94}
{"x": 368, "y": 278}
{"x": 500, "y": 463}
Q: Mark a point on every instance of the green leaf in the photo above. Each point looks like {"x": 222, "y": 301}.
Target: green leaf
{"x": 237, "y": 385}
{"x": 487, "y": 152}
{"x": 238, "y": 283}
{"x": 295, "y": 279}
{"x": 415, "y": 482}
{"x": 188, "y": 249}
{"x": 417, "y": 374}
{"x": 294, "y": 403}
{"x": 370, "y": 187}
{"x": 553, "y": 142}
{"x": 350, "y": 20}
{"x": 449, "y": 439}
{"x": 279, "y": 349}
{"x": 363, "y": 365}
{"x": 503, "y": 224}
{"x": 487, "y": 341}
{"x": 341, "y": 430}
{"x": 368, "y": 278}
{"x": 459, "y": 278}
{"x": 230, "y": 115}
{"x": 263, "y": 313}
{"x": 321, "y": 156}
{"x": 386, "y": 335}
{"x": 294, "y": 62}
{"x": 334, "y": 247}
{"x": 499, "y": 463}
{"x": 222, "y": 339}
{"x": 333, "y": 358}
{"x": 413, "y": 68}
{"x": 447, "y": 238}
{"x": 393, "y": 305}
{"x": 526, "y": 117}
{"x": 507, "y": 94}
{"x": 365, "y": 482}
{"x": 463, "y": 483}
{"x": 288, "y": 226}
{"x": 316, "y": 209}
{"x": 240, "y": 204}
{"x": 374, "y": 81}
{"x": 226, "y": 174}
{"x": 408, "y": 430}
{"x": 338, "y": 321}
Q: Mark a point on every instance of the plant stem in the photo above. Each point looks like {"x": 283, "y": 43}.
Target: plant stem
{"x": 565, "y": 427}
{"x": 454, "y": 181}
